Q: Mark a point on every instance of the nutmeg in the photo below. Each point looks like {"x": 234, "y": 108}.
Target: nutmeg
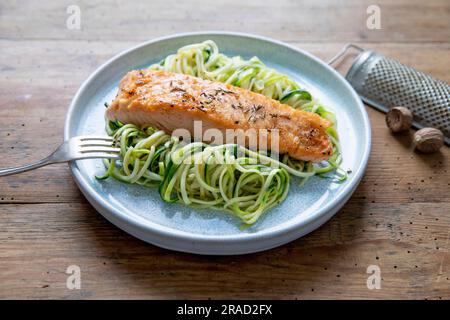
{"x": 399, "y": 119}
{"x": 428, "y": 140}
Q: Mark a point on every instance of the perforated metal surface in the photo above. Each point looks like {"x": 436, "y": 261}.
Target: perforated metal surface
{"x": 385, "y": 83}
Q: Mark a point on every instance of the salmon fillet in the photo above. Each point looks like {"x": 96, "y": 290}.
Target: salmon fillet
{"x": 170, "y": 101}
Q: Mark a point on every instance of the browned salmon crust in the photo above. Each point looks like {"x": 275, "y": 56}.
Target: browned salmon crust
{"x": 170, "y": 101}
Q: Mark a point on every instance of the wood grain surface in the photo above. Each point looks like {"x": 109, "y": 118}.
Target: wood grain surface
{"x": 398, "y": 218}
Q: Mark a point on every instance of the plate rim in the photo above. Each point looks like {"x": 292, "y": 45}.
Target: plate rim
{"x": 180, "y": 240}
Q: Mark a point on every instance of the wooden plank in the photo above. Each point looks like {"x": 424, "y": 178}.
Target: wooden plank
{"x": 322, "y": 21}
{"x": 41, "y": 241}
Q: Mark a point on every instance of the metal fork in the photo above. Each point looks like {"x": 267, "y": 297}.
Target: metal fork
{"x": 82, "y": 147}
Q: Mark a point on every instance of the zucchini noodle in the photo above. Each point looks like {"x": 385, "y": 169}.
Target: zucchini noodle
{"x": 226, "y": 177}
{"x": 198, "y": 174}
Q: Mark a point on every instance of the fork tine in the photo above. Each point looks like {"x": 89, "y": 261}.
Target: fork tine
{"x": 94, "y": 143}
{"x": 87, "y": 138}
{"x": 99, "y": 149}
{"x": 99, "y": 155}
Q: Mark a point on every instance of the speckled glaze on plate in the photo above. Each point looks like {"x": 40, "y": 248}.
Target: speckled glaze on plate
{"x": 140, "y": 211}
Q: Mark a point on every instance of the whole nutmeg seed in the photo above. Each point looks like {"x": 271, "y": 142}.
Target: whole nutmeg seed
{"x": 428, "y": 140}
{"x": 399, "y": 119}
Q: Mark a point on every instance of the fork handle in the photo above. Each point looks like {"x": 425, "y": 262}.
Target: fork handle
{"x": 31, "y": 166}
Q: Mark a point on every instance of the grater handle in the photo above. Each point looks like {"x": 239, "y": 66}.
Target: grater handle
{"x": 343, "y": 51}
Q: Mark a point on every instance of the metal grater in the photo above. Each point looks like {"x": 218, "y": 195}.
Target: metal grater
{"x": 384, "y": 83}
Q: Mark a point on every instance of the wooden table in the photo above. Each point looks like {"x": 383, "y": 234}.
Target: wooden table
{"x": 398, "y": 219}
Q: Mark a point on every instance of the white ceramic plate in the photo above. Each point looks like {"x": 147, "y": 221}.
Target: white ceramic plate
{"x": 140, "y": 211}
